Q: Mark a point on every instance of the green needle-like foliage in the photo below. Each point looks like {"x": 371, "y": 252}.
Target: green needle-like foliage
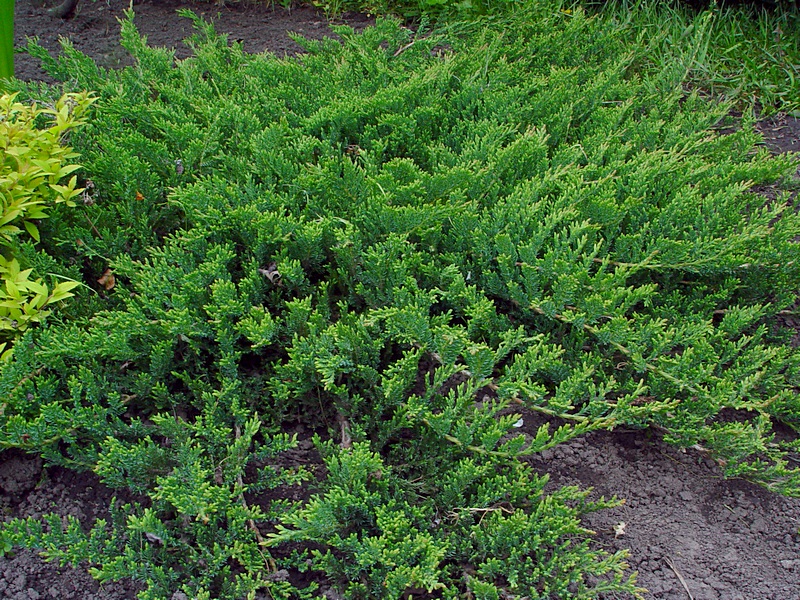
{"x": 404, "y": 242}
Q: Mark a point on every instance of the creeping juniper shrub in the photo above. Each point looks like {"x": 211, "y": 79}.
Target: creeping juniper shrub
{"x": 404, "y": 242}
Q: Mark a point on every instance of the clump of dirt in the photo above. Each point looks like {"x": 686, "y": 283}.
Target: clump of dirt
{"x": 691, "y": 533}
{"x": 19, "y": 474}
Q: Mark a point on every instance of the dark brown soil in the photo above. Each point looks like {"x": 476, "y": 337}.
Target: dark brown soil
{"x": 94, "y": 28}
{"x": 727, "y": 539}
{"x": 781, "y": 133}
{"x": 692, "y": 534}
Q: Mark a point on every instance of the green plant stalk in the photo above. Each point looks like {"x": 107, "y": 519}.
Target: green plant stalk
{"x": 6, "y": 39}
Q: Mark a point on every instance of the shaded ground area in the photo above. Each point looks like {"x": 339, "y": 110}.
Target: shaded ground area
{"x": 691, "y": 533}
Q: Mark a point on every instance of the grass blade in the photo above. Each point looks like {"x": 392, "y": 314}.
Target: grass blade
{"x": 6, "y": 39}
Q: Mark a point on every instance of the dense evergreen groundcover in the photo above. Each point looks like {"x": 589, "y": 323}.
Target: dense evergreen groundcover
{"x": 398, "y": 240}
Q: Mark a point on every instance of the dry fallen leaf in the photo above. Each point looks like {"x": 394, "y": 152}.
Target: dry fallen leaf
{"x": 152, "y": 537}
{"x": 271, "y": 273}
{"x": 107, "y": 280}
{"x": 619, "y": 529}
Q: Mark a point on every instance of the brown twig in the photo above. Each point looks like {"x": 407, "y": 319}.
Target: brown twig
{"x": 402, "y": 49}
{"x": 347, "y": 440}
{"x": 671, "y": 565}
{"x": 516, "y": 400}
{"x": 22, "y": 382}
{"x": 93, "y": 227}
{"x": 250, "y": 522}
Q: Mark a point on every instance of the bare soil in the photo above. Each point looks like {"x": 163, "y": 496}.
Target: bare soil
{"x": 692, "y": 534}
{"x": 94, "y": 28}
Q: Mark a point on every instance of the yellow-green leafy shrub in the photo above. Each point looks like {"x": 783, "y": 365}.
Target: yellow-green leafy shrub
{"x": 23, "y": 300}
{"x": 33, "y": 162}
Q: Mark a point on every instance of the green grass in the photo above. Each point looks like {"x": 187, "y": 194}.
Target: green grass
{"x": 742, "y": 53}
{"x": 746, "y": 53}
{"x": 6, "y": 39}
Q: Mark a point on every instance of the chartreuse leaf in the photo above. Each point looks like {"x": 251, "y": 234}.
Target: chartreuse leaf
{"x": 37, "y": 156}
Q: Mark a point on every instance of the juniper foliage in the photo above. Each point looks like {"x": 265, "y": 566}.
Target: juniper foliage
{"x": 404, "y": 241}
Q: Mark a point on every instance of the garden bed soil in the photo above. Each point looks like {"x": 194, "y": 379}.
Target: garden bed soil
{"x": 691, "y": 533}
{"x": 94, "y": 28}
